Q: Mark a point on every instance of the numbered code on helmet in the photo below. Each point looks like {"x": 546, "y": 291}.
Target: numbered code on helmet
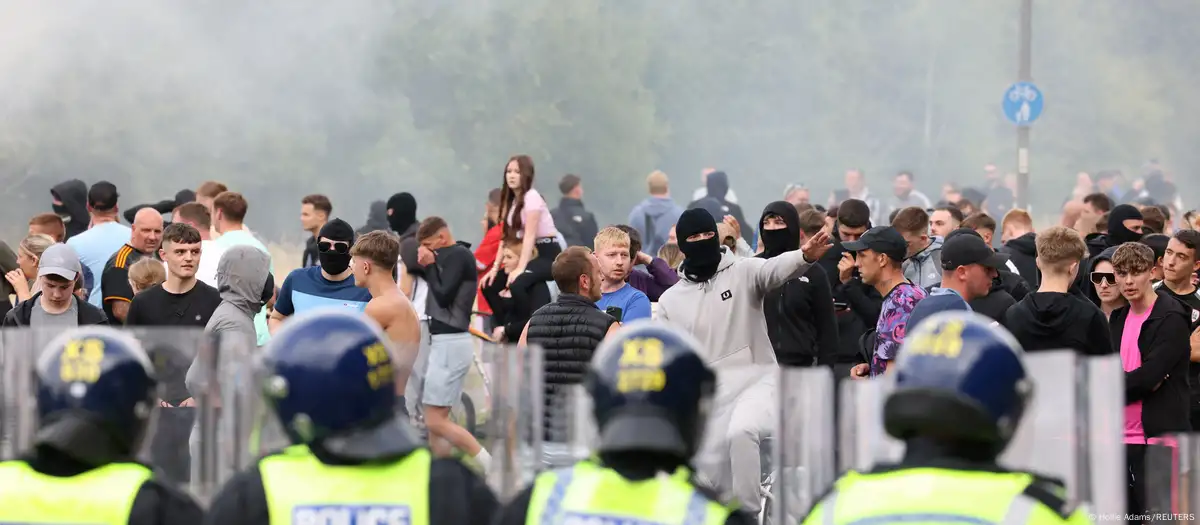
{"x": 351, "y": 515}
{"x": 581, "y": 518}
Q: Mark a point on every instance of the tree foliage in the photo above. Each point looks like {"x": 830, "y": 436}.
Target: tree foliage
{"x": 362, "y": 99}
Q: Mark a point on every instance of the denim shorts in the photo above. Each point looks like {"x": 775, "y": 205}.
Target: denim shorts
{"x": 450, "y": 358}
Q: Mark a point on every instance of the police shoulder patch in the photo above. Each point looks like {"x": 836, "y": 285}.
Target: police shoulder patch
{"x": 1051, "y": 493}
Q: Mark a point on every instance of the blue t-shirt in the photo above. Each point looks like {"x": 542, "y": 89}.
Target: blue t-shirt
{"x": 633, "y": 303}
{"x": 939, "y": 300}
{"x": 94, "y": 248}
{"x": 306, "y": 289}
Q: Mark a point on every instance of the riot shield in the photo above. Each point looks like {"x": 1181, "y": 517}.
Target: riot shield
{"x": 1072, "y": 429}
{"x": 171, "y": 351}
{"x": 1172, "y": 474}
{"x": 1105, "y": 485}
{"x": 233, "y": 427}
{"x": 803, "y": 450}
{"x": 862, "y": 440}
{"x": 518, "y": 415}
{"x": 735, "y": 453}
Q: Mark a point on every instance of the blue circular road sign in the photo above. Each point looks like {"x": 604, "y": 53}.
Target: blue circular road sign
{"x": 1023, "y": 103}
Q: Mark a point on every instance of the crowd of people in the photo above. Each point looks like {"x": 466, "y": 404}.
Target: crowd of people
{"x": 807, "y": 285}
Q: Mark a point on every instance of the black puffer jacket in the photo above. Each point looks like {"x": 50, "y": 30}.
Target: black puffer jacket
{"x": 568, "y": 330}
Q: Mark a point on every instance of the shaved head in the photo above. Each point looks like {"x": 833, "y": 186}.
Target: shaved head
{"x": 148, "y": 216}
{"x": 147, "y": 230}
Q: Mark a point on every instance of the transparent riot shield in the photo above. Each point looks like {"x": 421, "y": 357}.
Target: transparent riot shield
{"x": 1105, "y": 484}
{"x": 233, "y": 427}
{"x": 1172, "y": 474}
{"x": 1167, "y": 474}
{"x": 862, "y": 440}
{"x": 518, "y": 415}
{"x": 803, "y": 449}
{"x": 735, "y": 457}
{"x": 171, "y": 351}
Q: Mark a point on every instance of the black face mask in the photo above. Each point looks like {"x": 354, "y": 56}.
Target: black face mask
{"x": 1118, "y": 234}
{"x": 775, "y": 242}
{"x": 701, "y": 258}
{"x": 61, "y": 211}
{"x": 334, "y": 257}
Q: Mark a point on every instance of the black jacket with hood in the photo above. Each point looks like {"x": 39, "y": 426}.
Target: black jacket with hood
{"x": 73, "y": 210}
{"x": 1053, "y": 321}
{"x": 21, "y": 313}
{"x": 377, "y": 218}
{"x": 1022, "y": 251}
{"x": 800, "y": 317}
{"x": 717, "y": 184}
{"x": 576, "y": 224}
{"x": 1161, "y": 383}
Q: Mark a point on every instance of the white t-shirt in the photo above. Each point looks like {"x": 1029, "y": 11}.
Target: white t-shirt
{"x": 420, "y": 291}
{"x": 210, "y": 258}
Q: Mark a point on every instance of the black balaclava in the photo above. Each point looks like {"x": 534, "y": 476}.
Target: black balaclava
{"x": 336, "y": 261}
{"x": 778, "y": 242}
{"x": 701, "y": 257}
{"x": 717, "y": 185}
{"x": 402, "y": 208}
{"x": 1118, "y": 234}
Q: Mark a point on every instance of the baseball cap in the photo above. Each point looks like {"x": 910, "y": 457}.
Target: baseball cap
{"x": 102, "y": 196}
{"x": 61, "y": 260}
{"x": 963, "y": 250}
{"x": 883, "y": 239}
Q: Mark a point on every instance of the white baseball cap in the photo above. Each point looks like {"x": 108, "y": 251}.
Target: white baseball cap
{"x": 61, "y": 260}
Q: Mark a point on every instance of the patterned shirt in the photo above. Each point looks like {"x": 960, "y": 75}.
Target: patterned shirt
{"x": 893, "y": 323}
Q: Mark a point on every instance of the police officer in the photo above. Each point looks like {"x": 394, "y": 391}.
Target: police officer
{"x": 961, "y": 390}
{"x": 328, "y": 376}
{"x": 650, "y": 391}
{"x": 96, "y": 391}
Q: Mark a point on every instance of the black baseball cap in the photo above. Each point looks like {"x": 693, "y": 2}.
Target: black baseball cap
{"x": 883, "y": 239}
{"x": 963, "y": 250}
{"x": 102, "y": 196}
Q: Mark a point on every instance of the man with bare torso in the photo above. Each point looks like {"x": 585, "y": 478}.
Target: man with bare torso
{"x": 375, "y": 256}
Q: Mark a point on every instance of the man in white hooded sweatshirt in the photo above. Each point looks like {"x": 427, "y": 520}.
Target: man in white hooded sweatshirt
{"x": 719, "y": 301}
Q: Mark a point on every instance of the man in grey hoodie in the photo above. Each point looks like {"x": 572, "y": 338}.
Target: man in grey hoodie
{"x": 923, "y": 265}
{"x": 719, "y": 300}
{"x": 245, "y": 282}
{"x": 654, "y": 217}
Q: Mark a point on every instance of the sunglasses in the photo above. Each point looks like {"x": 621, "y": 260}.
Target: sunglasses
{"x": 1102, "y": 277}
{"x": 333, "y": 247}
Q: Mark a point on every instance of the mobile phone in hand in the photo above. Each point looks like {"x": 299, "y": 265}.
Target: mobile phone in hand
{"x": 615, "y": 311}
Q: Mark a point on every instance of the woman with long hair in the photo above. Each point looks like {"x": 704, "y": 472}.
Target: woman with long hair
{"x": 508, "y": 316}
{"x": 525, "y": 216}
{"x": 24, "y": 279}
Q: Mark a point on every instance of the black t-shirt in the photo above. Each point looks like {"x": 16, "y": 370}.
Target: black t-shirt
{"x": 158, "y": 307}
{"x": 114, "y": 281}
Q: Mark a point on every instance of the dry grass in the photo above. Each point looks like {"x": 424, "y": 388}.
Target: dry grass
{"x": 285, "y": 257}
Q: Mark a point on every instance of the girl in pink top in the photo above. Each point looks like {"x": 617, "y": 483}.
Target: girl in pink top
{"x": 527, "y": 217}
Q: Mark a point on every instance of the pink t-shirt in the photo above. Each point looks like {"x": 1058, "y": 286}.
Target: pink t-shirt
{"x": 534, "y": 201}
{"x": 1131, "y": 359}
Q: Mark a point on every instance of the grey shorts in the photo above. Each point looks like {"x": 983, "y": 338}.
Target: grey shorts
{"x": 450, "y": 358}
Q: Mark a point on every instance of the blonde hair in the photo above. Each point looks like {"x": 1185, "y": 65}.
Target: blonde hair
{"x": 146, "y": 273}
{"x": 657, "y": 182}
{"x": 36, "y": 244}
{"x": 1058, "y": 247}
{"x": 611, "y": 237}
{"x": 671, "y": 254}
{"x": 381, "y": 247}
